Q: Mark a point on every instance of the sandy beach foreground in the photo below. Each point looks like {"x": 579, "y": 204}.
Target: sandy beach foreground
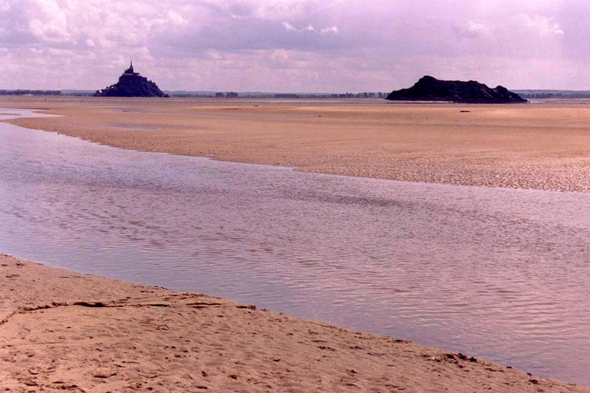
{"x": 61, "y": 330}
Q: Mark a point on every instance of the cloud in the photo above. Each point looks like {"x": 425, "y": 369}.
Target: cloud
{"x": 542, "y": 25}
{"x": 332, "y": 45}
{"x": 474, "y": 30}
{"x": 287, "y": 26}
{"x": 330, "y": 30}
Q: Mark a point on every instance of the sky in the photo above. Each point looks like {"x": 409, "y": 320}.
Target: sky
{"x": 331, "y": 46}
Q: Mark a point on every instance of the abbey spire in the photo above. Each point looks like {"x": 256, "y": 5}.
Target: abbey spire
{"x": 130, "y": 71}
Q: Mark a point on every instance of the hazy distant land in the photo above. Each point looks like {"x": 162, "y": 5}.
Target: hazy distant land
{"x": 527, "y": 93}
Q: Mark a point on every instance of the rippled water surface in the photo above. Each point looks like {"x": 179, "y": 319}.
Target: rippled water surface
{"x": 496, "y": 273}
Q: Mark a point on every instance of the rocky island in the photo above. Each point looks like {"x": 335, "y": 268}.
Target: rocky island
{"x": 432, "y": 89}
{"x": 131, "y": 84}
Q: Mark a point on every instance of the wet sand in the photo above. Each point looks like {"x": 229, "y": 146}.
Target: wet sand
{"x": 61, "y": 330}
{"x": 544, "y": 146}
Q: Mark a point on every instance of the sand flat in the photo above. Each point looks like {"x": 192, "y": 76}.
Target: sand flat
{"x": 544, "y": 146}
{"x": 62, "y": 330}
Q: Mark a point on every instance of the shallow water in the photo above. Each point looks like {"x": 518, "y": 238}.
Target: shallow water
{"x": 495, "y": 273}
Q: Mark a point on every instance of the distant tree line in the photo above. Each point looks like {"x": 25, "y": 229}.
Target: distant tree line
{"x": 30, "y": 92}
{"x": 560, "y": 95}
{"x": 189, "y": 94}
{"x": 361, "y": 95}
{"x": 289, "y": 95}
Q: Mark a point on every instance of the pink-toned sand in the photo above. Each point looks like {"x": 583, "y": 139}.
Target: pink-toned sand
{"x": 522, "y": 146}
{"x": 65, "y": 331}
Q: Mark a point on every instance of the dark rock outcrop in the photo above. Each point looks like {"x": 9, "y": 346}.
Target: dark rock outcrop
{"x": 131, "y": 84}
{"x": 432, "y": 89}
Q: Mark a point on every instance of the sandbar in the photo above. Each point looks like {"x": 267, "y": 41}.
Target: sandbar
{"x": 542, "y": 146}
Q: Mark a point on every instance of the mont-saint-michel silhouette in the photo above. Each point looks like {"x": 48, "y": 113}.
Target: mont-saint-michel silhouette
{"x": 432, "y": 89}
{"x": 131, "y": 84}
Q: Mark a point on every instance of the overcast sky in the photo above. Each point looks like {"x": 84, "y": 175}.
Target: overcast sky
{"x": 294, "y": 45}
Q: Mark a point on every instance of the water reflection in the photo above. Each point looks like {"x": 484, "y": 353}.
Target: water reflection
{"x": 499, "y": 274}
